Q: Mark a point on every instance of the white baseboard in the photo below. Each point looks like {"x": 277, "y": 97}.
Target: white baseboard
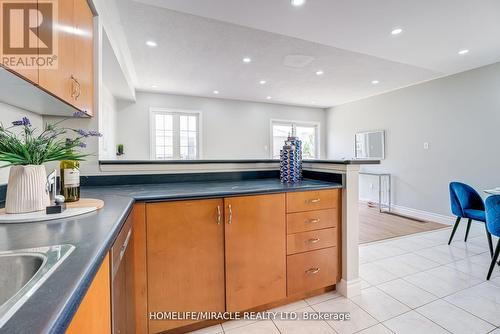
{"x": 420, "y": 214}
{"x": 349, "y": 288}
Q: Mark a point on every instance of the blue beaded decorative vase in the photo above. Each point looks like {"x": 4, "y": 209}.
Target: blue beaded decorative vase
{"x": 291, "y": 160}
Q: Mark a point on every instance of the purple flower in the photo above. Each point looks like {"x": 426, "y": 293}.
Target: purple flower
{"x": 95, "y": 134}
{"x": 82, "y": 145}
{"x": 24, "y": 122}
{"x": 82, "y": 133}
{"x": 79, "y": 114}
{"x": 69, "y": 142}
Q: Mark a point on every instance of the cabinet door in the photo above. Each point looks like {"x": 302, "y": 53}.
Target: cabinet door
{"x": 16, "y": 28}
{"x": 94, "y": 313}
{"x": 185, "y": 259}
{"x": 255, "y": 251}
{"x": 84, "y": 55}
{"x": 58, "y": 81}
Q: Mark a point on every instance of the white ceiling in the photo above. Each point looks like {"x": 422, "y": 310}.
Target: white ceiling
{"x": 349, "y": 40}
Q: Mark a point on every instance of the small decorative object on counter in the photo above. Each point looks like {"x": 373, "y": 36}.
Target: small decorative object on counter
{"x": 291, "y": 159}
{"x": 55, "y": 206}
{"x": 120, "y": 150}
{"x": 25, "y": 151}
{"x": 70, "y": 180}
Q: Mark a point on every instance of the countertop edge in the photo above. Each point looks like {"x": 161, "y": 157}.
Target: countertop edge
{"x": 149, "y": 198}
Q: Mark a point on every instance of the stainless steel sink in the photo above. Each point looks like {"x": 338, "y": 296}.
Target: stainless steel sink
{"x": 23, "y": 271}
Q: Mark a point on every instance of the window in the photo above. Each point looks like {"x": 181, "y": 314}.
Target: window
{"x": 175, "y": 135}
{"x": 308, "y": 133}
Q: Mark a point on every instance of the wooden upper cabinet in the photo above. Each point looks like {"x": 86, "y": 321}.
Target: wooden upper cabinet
{"x": 17, "y": 28}
{"x": 185, "y": 259}
{"x": 58, "y": 81}
{"x": 255, "y": 251}
{"x": 72, "y": 79}
{"x": 84, "y": 55}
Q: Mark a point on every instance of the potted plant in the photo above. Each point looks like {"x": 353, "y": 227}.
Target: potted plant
{"x": 120, "y": 150}
{"x": 25, "y": 152}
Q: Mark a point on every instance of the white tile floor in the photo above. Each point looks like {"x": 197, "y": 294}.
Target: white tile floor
{"x": 414, "y": 284}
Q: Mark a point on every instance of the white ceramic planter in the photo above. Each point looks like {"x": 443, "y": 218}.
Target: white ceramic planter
{"x": 27, "y": 189}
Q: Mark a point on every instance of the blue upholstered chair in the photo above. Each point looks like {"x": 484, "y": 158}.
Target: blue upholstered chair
{"x": 493, "y": 225}
{"x": 466, "y": 203}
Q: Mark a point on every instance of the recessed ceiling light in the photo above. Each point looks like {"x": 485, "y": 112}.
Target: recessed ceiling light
{"x": 216, "y": 92}
{"x": 396, "y": 31}
{"x": 269, "y": 97}
{"x": 463, "y": 52}
{"x": 297, "y": 3}
{"x": 247, "y": 60}
{"x": 262, "y": 82}
{"x": 151, "y": 44}
{"x": 154, "y": 86}
{"x": 320, "y": 72}
{"x": 313, "y": 102}
{"x": 374, "y": 82}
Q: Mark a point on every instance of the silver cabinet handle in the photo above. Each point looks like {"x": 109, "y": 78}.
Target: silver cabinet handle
{"x": 123, "y": 249}
{"x": 313, "y": 221}
{"x": 315, "y": 200}
{"x": 312, "y": 271}
{"x": 73, "y": 85}
{"x": 76, "y": 93}
{"x": 79, "y": 91}
{"x": 313, "y": 241}
{"x": 219, "y": 215}
{"x": 230, "y": 220}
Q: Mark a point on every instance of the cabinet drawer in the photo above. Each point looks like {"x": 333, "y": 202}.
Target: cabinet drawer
{"x": 312, "y": 200}
{"x": 312, "y": 270}
{"x": 311, "y": 220}
{"x": 307, "y": 241}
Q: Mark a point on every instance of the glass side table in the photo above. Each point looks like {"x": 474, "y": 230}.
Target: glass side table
{"x": 384, "y": 190}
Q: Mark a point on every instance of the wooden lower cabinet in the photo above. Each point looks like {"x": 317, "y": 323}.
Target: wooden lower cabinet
{"x": 311, "y": 270}
{"x": 138, "y": 271}
{"x": 312, "y": 200}
{"x": 230, "y": 254}
{"x": 255, "y": 251}
{"x": 313, "y": 240}
{"x": 185, "y": 259}
{"x": 94, "y": 313}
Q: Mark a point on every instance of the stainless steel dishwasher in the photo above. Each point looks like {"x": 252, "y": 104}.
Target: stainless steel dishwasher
{"x": 122, "y": 317}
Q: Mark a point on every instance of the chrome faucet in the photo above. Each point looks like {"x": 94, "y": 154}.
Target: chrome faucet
{"x": 52, "y": 186}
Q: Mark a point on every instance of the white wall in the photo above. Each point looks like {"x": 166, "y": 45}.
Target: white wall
{"x": 9, "y": 114}
{"x": 108, "y": 128}
{"x": 230, "y": 129}
{"x": 459, "y": 116}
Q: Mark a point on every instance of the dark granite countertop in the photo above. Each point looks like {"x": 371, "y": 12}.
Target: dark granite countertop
{"x": 52, "y": 306}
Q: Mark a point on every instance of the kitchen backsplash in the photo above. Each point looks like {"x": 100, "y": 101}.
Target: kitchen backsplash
{"x": 3, "y": 193}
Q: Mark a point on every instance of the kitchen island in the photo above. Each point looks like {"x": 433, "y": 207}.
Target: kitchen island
{"x": 52, "y": 307}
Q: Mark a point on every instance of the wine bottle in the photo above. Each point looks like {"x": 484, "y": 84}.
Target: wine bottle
{"x": 70, "y": 180}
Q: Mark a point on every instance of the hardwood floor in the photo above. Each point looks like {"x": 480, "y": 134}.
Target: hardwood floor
{"x": 374, "y": 225}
